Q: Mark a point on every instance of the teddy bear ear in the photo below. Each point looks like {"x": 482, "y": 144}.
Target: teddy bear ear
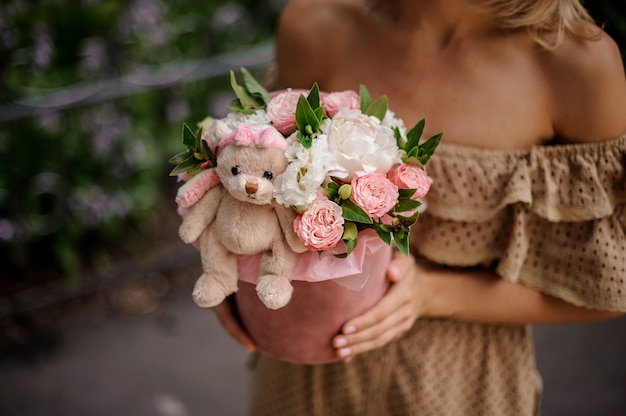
{"x": 272, "y": 137}
{"x": 243, "y": 135}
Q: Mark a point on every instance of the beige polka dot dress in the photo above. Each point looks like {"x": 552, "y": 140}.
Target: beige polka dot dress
{"x": 550, "y": 217}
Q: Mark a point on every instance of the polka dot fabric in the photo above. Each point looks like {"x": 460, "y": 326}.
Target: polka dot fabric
{"x": 553, "y": 218}
{"x": 440, "y": 368}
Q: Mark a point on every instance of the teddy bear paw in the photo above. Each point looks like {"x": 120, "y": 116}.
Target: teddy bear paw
{"x": 189, "y": 232}
{"x": 209, "y": 292}
{"x": 274, "y": 292}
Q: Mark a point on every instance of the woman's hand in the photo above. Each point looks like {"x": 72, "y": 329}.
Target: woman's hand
{"x": 390, "y": 318}
{"x": 226, "y": 314}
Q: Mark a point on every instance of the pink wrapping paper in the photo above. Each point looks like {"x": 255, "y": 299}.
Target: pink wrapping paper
{"x": 327, "y": 292}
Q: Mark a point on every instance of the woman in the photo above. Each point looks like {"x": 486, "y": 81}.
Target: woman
{"x": 526, "y": 220}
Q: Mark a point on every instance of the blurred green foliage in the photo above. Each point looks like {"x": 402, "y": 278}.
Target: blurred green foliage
{"x": 74, "y": 179}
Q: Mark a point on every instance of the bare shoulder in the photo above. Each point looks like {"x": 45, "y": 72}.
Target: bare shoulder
{"x": 588, "y": 89}
{"x": 310, "y": 34}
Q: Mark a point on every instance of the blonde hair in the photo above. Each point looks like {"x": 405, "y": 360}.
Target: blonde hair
{"x": 547, "y": 21}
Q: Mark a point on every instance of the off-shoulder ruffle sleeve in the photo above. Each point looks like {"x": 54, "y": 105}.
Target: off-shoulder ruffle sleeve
{"x": 550, "y": 217}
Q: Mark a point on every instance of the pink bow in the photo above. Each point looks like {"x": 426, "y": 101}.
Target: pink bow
{"x": 244, "y": 135}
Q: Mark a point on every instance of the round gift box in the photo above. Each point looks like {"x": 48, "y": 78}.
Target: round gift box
{"x": 302, "y": 331}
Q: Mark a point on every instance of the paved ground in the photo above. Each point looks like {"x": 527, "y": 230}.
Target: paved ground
{"x": 176, "y": 361}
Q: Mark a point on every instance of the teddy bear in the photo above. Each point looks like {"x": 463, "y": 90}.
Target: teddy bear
{"x": 238, "y": 215}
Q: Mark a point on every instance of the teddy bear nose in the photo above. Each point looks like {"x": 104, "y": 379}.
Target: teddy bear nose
{"x": 251, "y": 188}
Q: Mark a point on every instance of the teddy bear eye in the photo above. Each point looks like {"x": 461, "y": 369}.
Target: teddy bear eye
{"x": 235, "y": 170}
{"x": 268, "y": 175}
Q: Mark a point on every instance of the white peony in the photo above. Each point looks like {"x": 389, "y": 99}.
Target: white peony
{"x": 360, "y": 143}
{"x": 306, "y": 172}
{"x": 390, "y": 120}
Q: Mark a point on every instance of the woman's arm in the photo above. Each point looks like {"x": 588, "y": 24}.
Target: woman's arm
{"x": 588, "y": 89}
{"x": 478, "y": 295}
{"x": 226, "y": 314}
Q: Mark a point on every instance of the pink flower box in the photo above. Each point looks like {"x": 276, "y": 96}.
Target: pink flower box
{"x": 327, "y": 292}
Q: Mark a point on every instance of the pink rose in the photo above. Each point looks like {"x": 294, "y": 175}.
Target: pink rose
{"x": 321, "y": 225}
{"x": 282, "y": 110}
{"x": 410, "y": 176}
{"x": 335, "y": 100}
{"x": 376, "y": 194}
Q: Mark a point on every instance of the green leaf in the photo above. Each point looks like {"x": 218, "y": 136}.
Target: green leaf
{"x": 189, "y": 138}
{"x": 405, "y": 205}
{"x": 245, "y": 101}
{"x": 406, "y": 192}
{"x": 304, "y": 114}
{"x": 184, "y": 166}
{"x": 353, "y": 212}
{"x": 413, "y": 161}
{"x": 179, "y": 158}
{"x": 306, "y": 119}
{"x": 408, "y": 221}
{"x": 207, "y": 150}
{"x": 378, "y": 108}
{"x": 305, "y": 140}
{"x": 427, "y": 149}
{"x": 239, "y": 92}
{"x": 402, "y": 241}
{"x": 198, "y": 143}
{"x": 319, "y": 113}
{"x": 350, "y": 245}
{"x": 383, "y": 235}
{"x": 415, "y": 134}
{"x": 350, "y": 231}
{"x": 243, "y": 110}
{"x": 400, "y": 140}
{"x": 254, "y": 87}
{"x": 332, "y": 191}
{"x": 365, "y": 98}
{"x": 194, "y": 170}
{"x": 314, "y": 96}
{"x": 235, "y": 106}
{"x": 414, "y": 154}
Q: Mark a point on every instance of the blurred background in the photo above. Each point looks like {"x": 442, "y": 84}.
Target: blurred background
{"x": 95, "y": 312}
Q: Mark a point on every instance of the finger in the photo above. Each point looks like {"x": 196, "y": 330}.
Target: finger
{"x": 389, "y": 319}
{"x": 399, "y": 266}
{"x": 375, "y": 337}
{"x": 397, "y": 297}
{"x": 396, "y": 319}
{"x": 392, "y": 321}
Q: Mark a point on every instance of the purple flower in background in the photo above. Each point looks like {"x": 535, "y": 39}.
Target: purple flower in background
{"x": 107, "y": 126}
{"x": 93, "y": 205}
{"x": 42, "y": 46}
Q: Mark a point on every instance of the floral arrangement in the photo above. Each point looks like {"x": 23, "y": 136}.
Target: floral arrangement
{"x": 352, "y": 163}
